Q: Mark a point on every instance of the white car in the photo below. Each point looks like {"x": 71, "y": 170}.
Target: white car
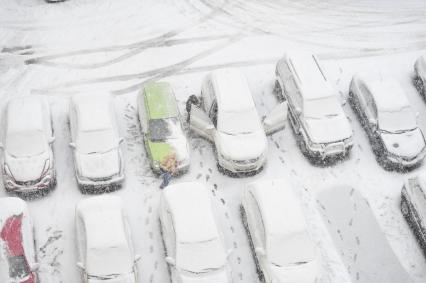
{"x": 273, "y": 217}
{"x": 420, "y": 75}
{"x": 18, "y": 262}
{"x": 96, "y": 142}
{"x": 195, "y": 249}
{"x": 315, "y": 111}
{"x": 227, "y": 116}
{"x": 105, "y": 249}
{"x": 27, "y": 140}
{"x": 389, "y": 121}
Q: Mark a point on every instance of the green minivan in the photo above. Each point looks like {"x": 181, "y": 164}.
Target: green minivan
{"x": 162, "y": 126}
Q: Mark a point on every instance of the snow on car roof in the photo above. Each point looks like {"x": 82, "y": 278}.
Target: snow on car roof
{"x": 310, "y": 76}
{"x": 281, "y": 211}
{"x": 160, "y": 100}
{"x": 103, "y": 220}
{"x": 388, "y": 95}
{"x": 25, "y": 114}
{"x": 190, "y": 207}
{"x": 232, "y": 90}
{"x": 11, "y": 206}
{"x": 94, "y": 111}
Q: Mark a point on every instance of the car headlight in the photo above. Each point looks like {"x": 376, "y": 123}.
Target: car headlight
{"x": 315, "y": 146}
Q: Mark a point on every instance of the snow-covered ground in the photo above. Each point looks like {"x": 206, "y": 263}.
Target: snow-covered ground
{"x": 84, "y": 46}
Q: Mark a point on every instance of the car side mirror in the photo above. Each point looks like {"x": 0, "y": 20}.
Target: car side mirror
{"x": 298, "y": 110}
{"x": 170, "y": 260}
{"x": 72, "y": 145}
{"x": 260, "y": 251}
{"x": 229, "y": 252}
{"x": 52, "y": 139}
{"x": 276, "y": 119}
{"x": 372, "y": 121}
{"x": 80, "y": 265}
{"x": 137, "y": 257}
{"x": 1, "y": 146}
{"x": 35, "y": 266}
{"x": 121, "y": 140}
{"x": 417, "y": 114}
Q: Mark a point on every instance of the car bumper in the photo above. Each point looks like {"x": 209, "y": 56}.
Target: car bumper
{"x": 44, "y": 185}
{"x": 398, "y": 161}
{"x": 241, "y": 167}
{"x": 330, "y": 150}
{"x": 100, "y": 184}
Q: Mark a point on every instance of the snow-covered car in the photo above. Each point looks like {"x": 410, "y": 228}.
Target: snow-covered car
{"x": 95, "y": 140}
{"x": 194, "y": 245}
{"x": 104, "y": 243}
{"x": 162, "y": 126}
{"x": 413, "y": 207}
{"x": 226, "y": 115}
{"x": 420, "y": 75}
{"x": 277, "y": 231}
{"x": 316, "y": 115}
{"x": 389, "y": 121}
{"x": 27, "y": 140}
{"x": 17, "y": 249}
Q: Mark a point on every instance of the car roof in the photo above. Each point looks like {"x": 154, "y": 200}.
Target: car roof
{"x": 160, "y": 100}
{"x": 26, "y": 114}
{"x": 11, "y": 206}
{"x": 190, "y": 206}
{"x": 388, "y": 95}
{"x": 232, "y": 90}
{"x": 309, "y": 76}
{"x": 103, "y": 220}
{"x": 281, "y": 210}
{"x": 93, "y": 110}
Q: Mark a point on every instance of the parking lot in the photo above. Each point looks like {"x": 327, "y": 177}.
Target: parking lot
{"x": 106, "y": 46}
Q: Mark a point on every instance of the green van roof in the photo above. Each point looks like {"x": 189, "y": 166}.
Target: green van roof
{"x": 160, "y": 100}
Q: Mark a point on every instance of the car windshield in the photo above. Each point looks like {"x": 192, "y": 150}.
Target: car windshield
{"x": 97, "y": 141}
{"x": 25, "y": 144}
{"x": 201, "y": 257}
{"x": 239, "y": 122}
{"x": 163, "y": 129}
{"x": 397, "y": 121}
{"x": 291, "y": 250}
{"x": 320, "y": 108}
{"x": 18, "y": 267}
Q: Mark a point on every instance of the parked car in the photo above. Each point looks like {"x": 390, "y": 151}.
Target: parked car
{"x": 420, "y": 75}
{"x": 104, "y": 243}
{"x": 278, "y": 235}
{"x": 18, "y": 262}
{"x": 27, "y": 141}
{"x": 95, "y": 141}
{"x": 162, "y": 126}
{"x": 226, "y": 115}
{"x": 389, "y": 121}
{"x": 316, "y": 115}
{"x": 413, "y": 207}
{"x": 194, "y": 245}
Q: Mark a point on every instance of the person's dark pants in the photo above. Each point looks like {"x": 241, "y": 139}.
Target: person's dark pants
{"x": 166, "y": 179}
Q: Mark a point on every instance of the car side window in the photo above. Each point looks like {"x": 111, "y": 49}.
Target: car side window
{"x": 258, "y": 220}
{"x": 213, "y": 113}
{"x": 82, "y": 239}
{"x": 172, "y": 234}
{"x": 73, "y": 121}
{"x": 369, "y": 101}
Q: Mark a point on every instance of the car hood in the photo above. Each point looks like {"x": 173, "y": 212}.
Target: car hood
{"x": 159, "y": 150}
{"x": 304, "y": 273}
{"x": 328, "y": 130}
{"x": 214, "y": 277}
{"x": 99, "y": 165}
{"x": 26, "y": 168}
{"x": 406, "y": 145}
{"x": 241, "y": 147}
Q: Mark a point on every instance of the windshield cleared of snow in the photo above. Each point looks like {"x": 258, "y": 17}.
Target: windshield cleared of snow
{"x": 201, "y": 257}
{"x": 96, "y": 141}
{"x": 291, "y": 250}
{"x": 163, "y": 129}
{"x": 398, "y": 120}
{"x": 325, "y": 107}
{"x": 236, "y": 123}
{"x": 26, "y": 144}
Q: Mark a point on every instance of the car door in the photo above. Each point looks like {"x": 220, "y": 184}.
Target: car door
{"x": 200, "y": 123}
